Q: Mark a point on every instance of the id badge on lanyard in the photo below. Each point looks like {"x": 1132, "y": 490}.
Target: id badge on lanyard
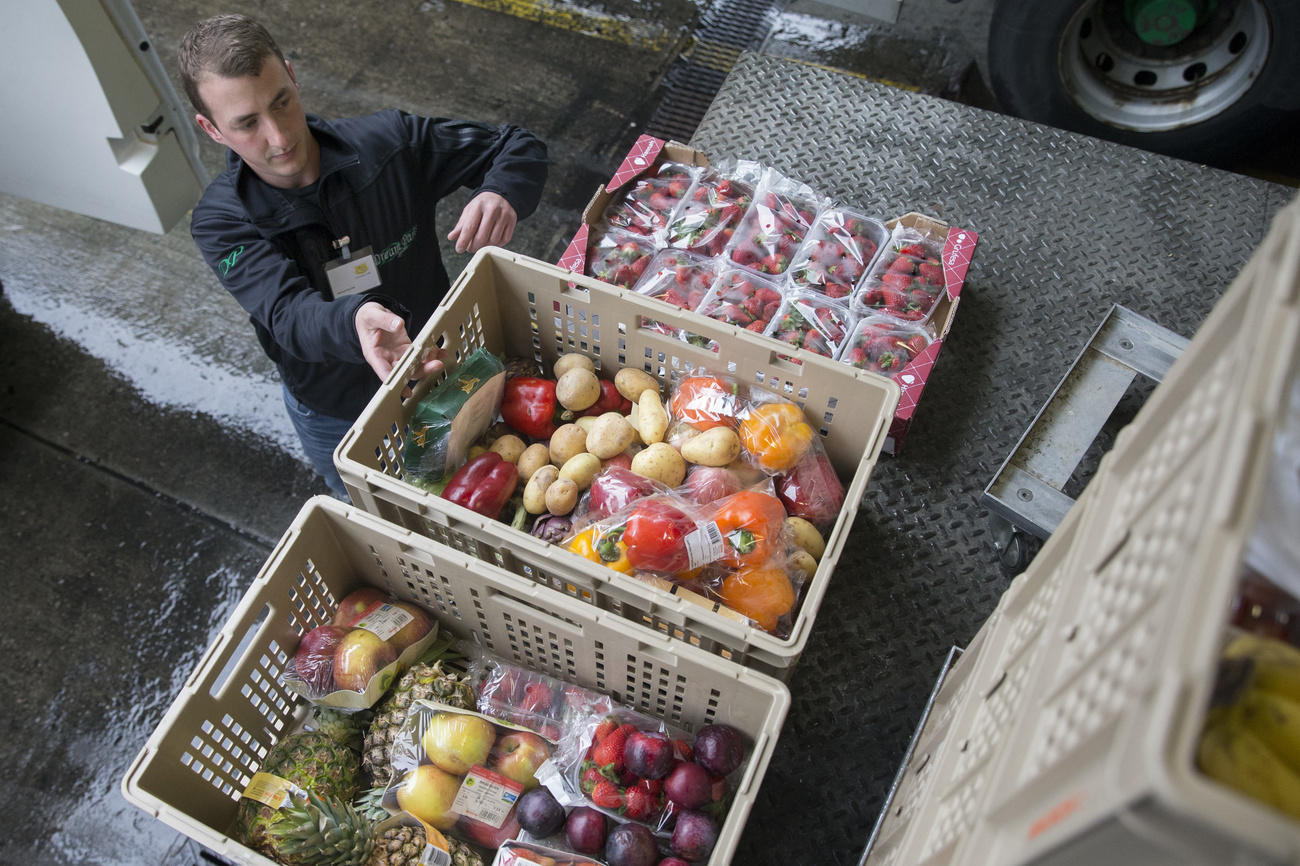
{"x": 352, "y": 272}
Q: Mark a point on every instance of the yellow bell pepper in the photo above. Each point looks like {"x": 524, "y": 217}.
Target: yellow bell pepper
{"x": 603, "y": 545}
{"x": 777, "y": 435}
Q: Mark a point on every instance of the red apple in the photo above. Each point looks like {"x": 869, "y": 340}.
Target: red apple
{"x": 518, "y": 755}
{"x": 458, "y": 741}
{"x": 359, "y": 656}
{"x": 414, "y": 630}
{"x": 356, "y": 603}
{"x": 314, "y": 660}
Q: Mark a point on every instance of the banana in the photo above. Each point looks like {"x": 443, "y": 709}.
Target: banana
{"x": 1276, "y": 663}
{"x": 1233, "y": 755}
{"x": 1275, "y": 720}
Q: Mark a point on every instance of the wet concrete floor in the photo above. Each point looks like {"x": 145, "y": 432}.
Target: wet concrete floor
{"x": 145, "y": 461}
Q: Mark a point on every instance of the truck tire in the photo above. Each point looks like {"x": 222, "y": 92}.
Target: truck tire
{"x": 1229, "y": 83}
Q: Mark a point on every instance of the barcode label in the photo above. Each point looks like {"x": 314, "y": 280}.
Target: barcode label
{"x": 704, "y": 545}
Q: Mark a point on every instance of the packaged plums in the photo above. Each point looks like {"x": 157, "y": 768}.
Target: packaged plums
{"x": 348, "y": 663}
{"x": 463, "y": 772}
{"x": 518, "y": 853}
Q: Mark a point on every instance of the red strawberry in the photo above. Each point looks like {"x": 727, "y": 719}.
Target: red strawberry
{"x": 902, "y": 265}
{"x": 589, "y": 779}
{"x": 932, "y": 272}
{"x": 607, "y": 726}
{"x": 914, "y": 250}
{"x": 892, "y": 299}
{"x": 895, "y": 280}
{"x": 607, "y": 795}
{"x": 757, "y": 326}
{"x": 608, "y": 753}
{"x": 915, "y": 344}
{"x": 537, "y": 698}
{"x": 641, "y": 804}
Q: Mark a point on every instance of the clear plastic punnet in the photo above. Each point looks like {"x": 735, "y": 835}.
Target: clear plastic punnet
{"x": 837, "y": 253}
{"x": 906, "y": 280}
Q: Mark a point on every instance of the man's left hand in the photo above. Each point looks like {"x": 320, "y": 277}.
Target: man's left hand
{"x": 488, "y": 220}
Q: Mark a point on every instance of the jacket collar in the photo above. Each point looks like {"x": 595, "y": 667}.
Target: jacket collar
{"x": 272, "y": 209}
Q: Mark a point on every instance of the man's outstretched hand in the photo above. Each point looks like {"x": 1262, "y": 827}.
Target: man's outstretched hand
{"x": 384, "y": 340}
{"x": 488, "y": 220}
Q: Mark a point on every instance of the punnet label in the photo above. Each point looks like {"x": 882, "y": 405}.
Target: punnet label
{"x": 704, "y": 545}
{"x": 385, "y": 620}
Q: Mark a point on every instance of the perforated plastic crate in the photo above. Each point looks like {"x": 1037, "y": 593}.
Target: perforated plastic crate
{"x": 1076, "y": 742}
{"x": 515, "y": 305}
{"x": 234, "y": 707}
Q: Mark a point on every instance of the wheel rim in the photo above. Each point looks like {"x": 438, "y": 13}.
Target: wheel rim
{"x": 1125, "y": 82}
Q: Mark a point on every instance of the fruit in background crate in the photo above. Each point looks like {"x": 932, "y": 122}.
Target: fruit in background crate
{"x": 518, "y": 755}
{"x": 359, "y": 656}
{"x": 1251, "y": 738}
{"x": 313, "y": 661}
{"x": 836, "y": 254}
{"x": 905, "y": 283}
{"x": 742, "y": 300}
{"x": 631, "y": 844}
{"x": 585, "y": 830}
{"x": 323, "y": 761}
{"x": 457, "y": 741}
{"x": 689, "y": 785}
{"x": 423, "y": 682}
{"x": 706, "y": 222}
{"x": 428, "y": 793}
{"x": 881, "y": 347}
{"x": 719, "y": 748}
{"x": 648, "y": 754}
{"x": 619, "y": 261}
{"x": 771, "y": 232}
{"x": 817, "y": 327}
{"x": 694, "y": 835}
{"x": 355, "y": 604}
{"x": 540, "y": 813}
{"x": 645, "y": 208}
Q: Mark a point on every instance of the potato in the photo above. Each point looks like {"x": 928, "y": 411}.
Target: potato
{"x": 802, "y": 560}
{"x": 586, "y": 422}
{"x": 630, "y": 382}
{"x": 661, "y": 462}
{"x": 577, "y": 389}
{"x": 652, "y": 417}
{"x": 581, "y": 469}
{"x": 561, "y": 496}
{"x": 570, "y": 439}
{"x": 718, "y": 446}
{"x": 535, "y": 489}
{"x": 535, "y": 456}
{"x": 610, "y": 434}
{"x": 806, "y": 536}
{"x": 474, "y": 451}
{"x": 510, "y": 447}
{"x": 572, "y": 361}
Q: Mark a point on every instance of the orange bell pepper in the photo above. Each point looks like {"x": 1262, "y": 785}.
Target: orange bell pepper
{"x": 750, "y": 522}
{"x": 764, "y": 594}
{"x": 704, "y": 402}
{"x": 605, "y": 546}
{"x": 777, "y": 435}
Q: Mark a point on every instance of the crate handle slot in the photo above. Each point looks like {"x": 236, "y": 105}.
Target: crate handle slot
{"x": 573, "y": 290}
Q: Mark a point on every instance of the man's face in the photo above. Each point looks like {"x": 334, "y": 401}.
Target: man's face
{"x": 262, "y": 120}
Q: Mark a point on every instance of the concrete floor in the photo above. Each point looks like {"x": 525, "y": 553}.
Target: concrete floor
{"x": 145, "y": 460}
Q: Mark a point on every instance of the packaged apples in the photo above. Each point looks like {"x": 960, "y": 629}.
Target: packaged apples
{"x": 523, "y": 697}
{"x": 348, "y": 663}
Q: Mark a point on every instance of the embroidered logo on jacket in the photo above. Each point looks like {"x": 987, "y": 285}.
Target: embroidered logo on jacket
{"x": 229, "y": 261}
{"x": 396, "y": 248}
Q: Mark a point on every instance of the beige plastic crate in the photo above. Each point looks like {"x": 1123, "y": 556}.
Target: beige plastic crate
{"x": 234, "y": 707}
{"x": 1078, "y": 739}
{"x": 515, "y": 305}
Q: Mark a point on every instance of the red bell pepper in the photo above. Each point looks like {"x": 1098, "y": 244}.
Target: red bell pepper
{"x": 656, "y": 537}
{"x": 530, "y": 407}
{"x": 483, "y": 485}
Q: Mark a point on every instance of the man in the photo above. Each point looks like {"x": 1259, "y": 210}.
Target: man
{"x": 286, "y": 225}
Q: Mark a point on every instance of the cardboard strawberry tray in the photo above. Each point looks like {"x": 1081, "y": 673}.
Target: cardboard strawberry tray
{"x": 516, "y": 306}
{"x": 905, "y": 274}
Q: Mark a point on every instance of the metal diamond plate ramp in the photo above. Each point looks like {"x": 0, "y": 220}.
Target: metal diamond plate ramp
{"x": 1068, "y": 226}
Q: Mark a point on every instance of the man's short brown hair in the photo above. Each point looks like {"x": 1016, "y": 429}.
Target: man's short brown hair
{"x": 232, "y": 46}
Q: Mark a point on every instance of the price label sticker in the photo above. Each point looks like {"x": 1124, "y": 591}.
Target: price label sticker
{"x": 704, "y": 545}
{"x": 486, "y": 796}
{"x": 385, "y": 620}
{"x": 271, "y": 790}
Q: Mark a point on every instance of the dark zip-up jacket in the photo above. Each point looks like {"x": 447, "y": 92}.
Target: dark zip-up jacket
{"x": 381, "y": 178}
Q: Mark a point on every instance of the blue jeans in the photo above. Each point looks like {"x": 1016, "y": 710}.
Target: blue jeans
{"x": 320, "y": 435}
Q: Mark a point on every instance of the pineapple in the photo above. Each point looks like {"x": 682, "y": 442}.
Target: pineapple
{"x": 323, "y": 831}
{"x": 402, "y": 846}
{"x": 317, "y": 761}
{"x": 427, "y": 682}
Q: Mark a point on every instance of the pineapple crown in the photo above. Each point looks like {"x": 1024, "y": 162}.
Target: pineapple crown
{"x": 323, "y": 831}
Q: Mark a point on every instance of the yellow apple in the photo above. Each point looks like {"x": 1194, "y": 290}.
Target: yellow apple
{"x": 428, "y": 793}
{"x": 456, "y": 742}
